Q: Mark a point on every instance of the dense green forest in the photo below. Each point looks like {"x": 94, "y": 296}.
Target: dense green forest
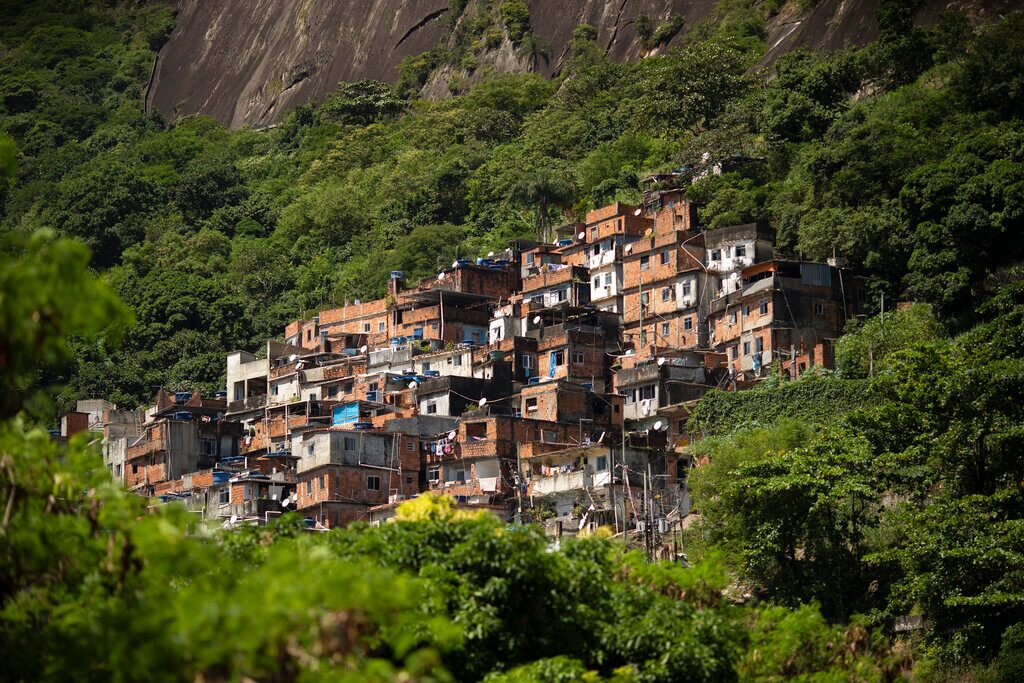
{"x": 903, "y": 158}
{"x": 136, "y": 251}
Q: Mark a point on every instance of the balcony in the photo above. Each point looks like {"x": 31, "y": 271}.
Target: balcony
{"x": 245, "y": 404}
{"x": 560, "y": 483}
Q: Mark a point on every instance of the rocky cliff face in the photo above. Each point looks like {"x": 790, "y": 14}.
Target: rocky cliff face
{"x": 245, "y": 63}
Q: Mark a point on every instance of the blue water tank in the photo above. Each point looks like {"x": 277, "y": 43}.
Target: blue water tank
{"x": 564, "y": 242}
{"x": 182, "y": 396}
{"x": 397, "y": 275}
{"x": 220, "y": 394}
{"x": 361, "y": 426}
{"x": 221, "y": 477}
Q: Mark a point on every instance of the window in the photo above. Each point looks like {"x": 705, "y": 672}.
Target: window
{"x": 819, "y": 308}
{"x": 562, "y": 294}
{"x": 716, "y": 254}
{"x": 682, "y": 469}
{"x": 433, "y": 473}
{"x": 664, "y": 329}
{"x": 408, "y": 480}
{"x": 431, "y": 407}
{"x": 578, "y": 357}
{"x": 207, "y": 445}
{"x": 732, "y": 318}
{"x": 531, "y": 404}
{"x": 529, "y": 259}
{"x": 559, "y": 357}
{"x": 734, "y": 351}
{"x": 746, "y": 311}
{"x": 373, "y": 483}
{"x": 309, "y": 448}
{"x": 665, "y": 257}
{"x": 309, "y": 487}
{"x": 332, "y": 391}
{"x": 687, "y": 323}
{"x": 762, "y": 308}
{"x": 645, "y": 297}
{"x": 593, "y": 233}
{"x": 426, "y": 367}
{"x": 323, "y": 482}
{"x": 274, "y": 390}
{"x": 597, "y": 282}
{"x": 539, "y": 299}
{"x": 224, "y": 497}
{"x": 366, "y": 327}
{"x": 548, "y": 435}
{"x": 746, "y": 348}
{"x": 642, "y": 393}
{"x": 645, "y": 262}
{"x": 686, "y": 289}
{"x": 759, "y": 344}
{"x": 527, "y": 361}
{"x": 457, "y": 361}
{"x": 410, "y": 445}
{"x": 602, "y": 463}
{"x": 381, "y": 326}
{"x": 607, "y": 279}
{"x": 740, "y": 250}
{"x": 597, "y": 247}
{"x": 350, "y": 443}
{"x": 666, "y": 293}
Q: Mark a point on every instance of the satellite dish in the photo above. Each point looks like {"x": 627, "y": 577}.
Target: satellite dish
{"x": 440, "y": 276}
{"x": 482, "y": 402}
{"x": 657, "y": 426}
{"x": 413, "y": 384}
{"x": 581, "y": 235}
{"x": 648, "y": 232}
{"x": 362, "y": 349}
{"x": 638, "y": 212}
{"x": 455, "y": 264}
{"x": 291, "y": 358}
{"x": 284, "y": 503}
{"x": 661, "y": 361}
{"x": 452, "y": 434}
{"x": 490, "y": 254}
{"x": 629, "y": 248}
{"x": 234, "y": 518}
{"x": 536, "y": 320}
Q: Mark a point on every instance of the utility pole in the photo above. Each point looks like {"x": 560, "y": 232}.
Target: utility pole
{"x": 650, "y": 512}
{"x": 519, "y": 483}
{"x": 611, "y": 484}
{"x": 647, "y": 530}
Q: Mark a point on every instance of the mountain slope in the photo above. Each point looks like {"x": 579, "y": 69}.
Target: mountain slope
{"x": 247, "y": 63}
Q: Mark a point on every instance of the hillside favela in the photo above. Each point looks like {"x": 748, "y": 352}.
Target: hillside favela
{"x": 632, "y": 341}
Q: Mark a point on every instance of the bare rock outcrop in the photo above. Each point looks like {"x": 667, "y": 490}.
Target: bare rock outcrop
{"x": 247, "y": 62}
